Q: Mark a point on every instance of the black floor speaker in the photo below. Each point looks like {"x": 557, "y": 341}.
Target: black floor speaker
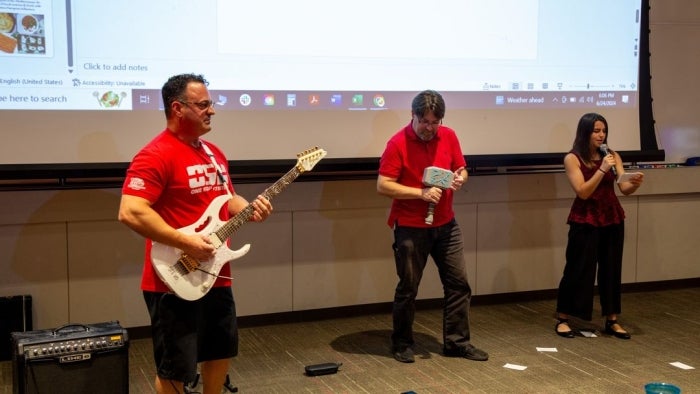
{"x": 15, "y": 315}
{"x": 74, "y": 358}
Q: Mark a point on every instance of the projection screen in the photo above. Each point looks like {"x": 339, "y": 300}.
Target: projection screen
{"x": 80, "y": 80}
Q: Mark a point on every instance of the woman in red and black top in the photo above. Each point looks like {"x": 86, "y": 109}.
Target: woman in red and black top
{"x": 596, "y": 229}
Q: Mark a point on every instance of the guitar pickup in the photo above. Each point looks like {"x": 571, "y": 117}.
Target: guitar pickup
{"x": 187, "y": 264}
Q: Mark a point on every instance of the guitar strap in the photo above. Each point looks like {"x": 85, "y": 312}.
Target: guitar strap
{"x": 221, "y": 176}
{"x": 224, "y": 181}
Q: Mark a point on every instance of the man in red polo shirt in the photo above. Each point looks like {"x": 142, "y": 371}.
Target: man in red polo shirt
{"x": 423, "y": 143}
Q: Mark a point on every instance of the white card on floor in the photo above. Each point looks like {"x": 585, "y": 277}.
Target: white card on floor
{"x": 546, "y": 349}
{"x": 680, "y": 365}
{"x": 515, "y": 366}
{"x": 588, "y": 334}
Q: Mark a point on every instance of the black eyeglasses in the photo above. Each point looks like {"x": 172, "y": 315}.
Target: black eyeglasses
{"x": 202, "y": 105}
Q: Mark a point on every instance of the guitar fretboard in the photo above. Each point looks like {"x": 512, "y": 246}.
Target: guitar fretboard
{"x": 244, "y": 215}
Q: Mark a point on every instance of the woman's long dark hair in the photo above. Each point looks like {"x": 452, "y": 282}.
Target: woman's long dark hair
{"x": 582, "y": 142}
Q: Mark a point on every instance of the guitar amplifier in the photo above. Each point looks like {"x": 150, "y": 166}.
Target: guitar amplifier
{"x": 75, "y": 358}
{"x": 15, "y": 315}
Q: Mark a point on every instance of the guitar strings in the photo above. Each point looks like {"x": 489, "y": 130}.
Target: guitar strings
{"x": 215, "y": 275}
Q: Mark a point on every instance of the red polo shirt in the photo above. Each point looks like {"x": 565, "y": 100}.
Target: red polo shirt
{"x": 404, "y": 159}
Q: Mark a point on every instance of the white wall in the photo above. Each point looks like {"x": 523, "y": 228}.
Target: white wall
{"x": 675, "y": 83}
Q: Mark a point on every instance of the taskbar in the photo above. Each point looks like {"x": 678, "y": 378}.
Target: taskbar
{"x": 150, "y": 99}
{"x": 127, "y": 99}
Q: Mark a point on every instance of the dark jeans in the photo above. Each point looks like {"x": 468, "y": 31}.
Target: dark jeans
{"x": 444, "y": 244}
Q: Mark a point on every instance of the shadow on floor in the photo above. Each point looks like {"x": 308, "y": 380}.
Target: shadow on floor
{"x": 378, "y": 343}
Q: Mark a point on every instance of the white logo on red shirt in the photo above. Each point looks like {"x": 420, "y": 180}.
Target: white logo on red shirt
{"x": 136, "y": 184}
{"x": 201, "y": 175}
{"x": 204, "y": 178}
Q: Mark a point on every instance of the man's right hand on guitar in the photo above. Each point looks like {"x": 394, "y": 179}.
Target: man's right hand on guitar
{"x": 198, "y": 246}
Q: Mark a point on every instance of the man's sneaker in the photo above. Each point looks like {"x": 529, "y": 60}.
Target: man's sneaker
{"x": 404, "y": 356}
{"x": 469, "y": 352}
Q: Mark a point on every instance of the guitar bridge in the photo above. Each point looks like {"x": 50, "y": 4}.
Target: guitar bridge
{"x": 186, "y": 264}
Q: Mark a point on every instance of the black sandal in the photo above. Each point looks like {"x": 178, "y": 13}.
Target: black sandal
{"x": 565, "y": 334}
{"x": 617, "y": 334}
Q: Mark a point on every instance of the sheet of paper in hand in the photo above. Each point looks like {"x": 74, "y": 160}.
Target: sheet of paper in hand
{"x": 627, "y": 176}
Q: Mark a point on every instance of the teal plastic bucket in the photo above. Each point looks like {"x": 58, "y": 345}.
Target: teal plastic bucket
{"x": 661, "y": 388}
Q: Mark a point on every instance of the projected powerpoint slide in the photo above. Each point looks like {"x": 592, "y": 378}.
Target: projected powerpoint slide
{"x": 317, "y": 54}
{"x": 23, "y": 28}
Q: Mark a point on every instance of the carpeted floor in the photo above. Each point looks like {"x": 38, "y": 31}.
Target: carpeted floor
{"x": 525, "y": 354}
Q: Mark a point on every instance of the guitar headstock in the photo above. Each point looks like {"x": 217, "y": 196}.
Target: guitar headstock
{"x": 307, "y": 159}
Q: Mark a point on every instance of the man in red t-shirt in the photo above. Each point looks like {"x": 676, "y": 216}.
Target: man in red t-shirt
{"x": 423, "y": 143}
{"x": 169, "y": 185}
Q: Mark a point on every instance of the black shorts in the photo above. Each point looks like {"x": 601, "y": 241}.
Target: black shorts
{"x": 187, "y": 332}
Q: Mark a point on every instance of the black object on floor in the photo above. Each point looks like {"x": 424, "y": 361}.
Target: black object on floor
{"x": 322, "y": 369}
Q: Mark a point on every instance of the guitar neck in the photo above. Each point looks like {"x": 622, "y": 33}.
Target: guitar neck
{"x": 233, "y": 224}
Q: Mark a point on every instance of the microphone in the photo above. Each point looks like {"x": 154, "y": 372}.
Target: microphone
{"x": 604, "y": 148}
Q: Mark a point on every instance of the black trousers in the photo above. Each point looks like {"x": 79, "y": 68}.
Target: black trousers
{"x": 589, "y": 249}
{"x": 412, "y": 246}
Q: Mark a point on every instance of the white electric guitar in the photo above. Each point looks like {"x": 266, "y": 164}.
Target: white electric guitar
{"x": 191, "y": 279}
